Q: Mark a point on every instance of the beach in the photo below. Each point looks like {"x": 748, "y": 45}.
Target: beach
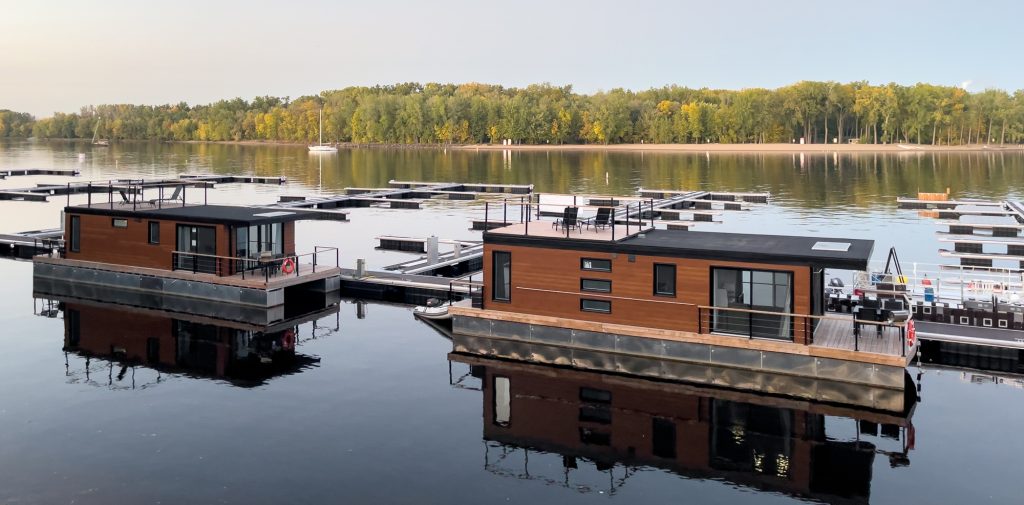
{"x": 751, "y": 148}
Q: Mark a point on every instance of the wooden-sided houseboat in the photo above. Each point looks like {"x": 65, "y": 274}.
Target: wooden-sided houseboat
{"x": 728, "y": 309}
{"x": 561, "y": 424}
{"x": 214, "y": 253}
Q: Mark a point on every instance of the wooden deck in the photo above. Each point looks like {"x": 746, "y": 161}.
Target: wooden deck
{"x": 545, "y": 229}
{"x": 836, "y": 332}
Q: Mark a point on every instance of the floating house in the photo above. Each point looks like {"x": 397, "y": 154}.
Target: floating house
{"x": 241, "y": 353}
{"x": 558, "y": 425}
{"x": 728, "y": 309}
{"x": 213, "y": 253}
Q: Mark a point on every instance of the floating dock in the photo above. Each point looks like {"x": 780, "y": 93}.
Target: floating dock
{"x": 402, "y": 195}
{"x": 38, "y": 171}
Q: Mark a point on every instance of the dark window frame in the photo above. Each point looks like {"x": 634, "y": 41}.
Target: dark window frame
{"x": 593, "y": 290}
{"x": 593, "y": 269}
{"x": 494, "y": 276}
{"x": 597, "y": 311}
{"x": 154, "y": 238}
{"x": 674, "y": 277}
{"x": 76, "y": 234}
{"x": 751, "y": 269}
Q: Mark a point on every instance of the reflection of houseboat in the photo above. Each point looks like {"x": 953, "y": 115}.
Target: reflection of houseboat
{"x": 695, "y": 306}
{"x": 570, "y": 424}
{"x": 167, "y": 247}
{"x": 241, "y": 353}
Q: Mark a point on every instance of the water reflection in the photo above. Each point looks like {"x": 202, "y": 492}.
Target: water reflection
{"x": 592, "y": 432}
{"x": 122, "y": 347}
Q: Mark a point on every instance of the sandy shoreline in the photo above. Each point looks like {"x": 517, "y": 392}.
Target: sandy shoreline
{"x": 755, "y": 148}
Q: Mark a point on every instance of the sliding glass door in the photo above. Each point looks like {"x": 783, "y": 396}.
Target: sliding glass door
{"x": 752, "y": 295}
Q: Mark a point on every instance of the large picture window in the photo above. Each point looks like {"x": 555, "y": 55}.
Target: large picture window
{"x": 751, "y": 293}
{"x": 501, "y": 287}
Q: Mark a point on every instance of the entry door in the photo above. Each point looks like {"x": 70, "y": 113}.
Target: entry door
{"x": 201, "y": 240}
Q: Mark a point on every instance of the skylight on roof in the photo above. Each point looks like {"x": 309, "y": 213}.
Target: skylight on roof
{"x": 831, "y": 246}
{"x": 277, "y": 213}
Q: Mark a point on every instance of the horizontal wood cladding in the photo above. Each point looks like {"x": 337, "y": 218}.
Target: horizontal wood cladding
{"x": 100, "y": 241}
{"x": 547, "y": 282}
{"x": 103, "y": 243}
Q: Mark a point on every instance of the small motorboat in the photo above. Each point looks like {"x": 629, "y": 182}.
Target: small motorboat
{"x": 434, "y": 310}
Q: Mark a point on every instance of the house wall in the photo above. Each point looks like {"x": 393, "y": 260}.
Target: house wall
{"x": 547, "y": 282}
{"x": 102, "y": 242}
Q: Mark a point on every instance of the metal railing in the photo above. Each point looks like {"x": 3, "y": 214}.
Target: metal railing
{"x": 633, "y": 216}
{"x": 474, "y": 291}
{"x": 255, "y": 267}
{"x": 789, "y": 327}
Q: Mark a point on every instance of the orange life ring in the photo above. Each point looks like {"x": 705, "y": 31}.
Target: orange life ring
{"x": 288, "y": 266}
{"x": 911, "y": 333}
{"x": 288, "y": 340}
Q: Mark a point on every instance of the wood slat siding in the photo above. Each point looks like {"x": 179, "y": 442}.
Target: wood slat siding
{"x": 101, "y": 242}
{"x": 547, "y": 282}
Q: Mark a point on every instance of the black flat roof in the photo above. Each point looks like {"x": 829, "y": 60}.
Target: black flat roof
{"x": 840, "y": 253}
{"x": 223, "y": 214}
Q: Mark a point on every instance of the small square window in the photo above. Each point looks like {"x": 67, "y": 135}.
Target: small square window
{"x": 664, "y": 279}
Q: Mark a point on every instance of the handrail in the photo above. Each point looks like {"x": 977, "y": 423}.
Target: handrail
{"x": 231, "y": 265}
{"x": 808, "y": 316}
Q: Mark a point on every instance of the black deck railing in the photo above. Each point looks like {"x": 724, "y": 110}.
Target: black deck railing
{"x": 247, "y": 267}
{"x": 634, "y": 216}
{"x": 783, "y": 326}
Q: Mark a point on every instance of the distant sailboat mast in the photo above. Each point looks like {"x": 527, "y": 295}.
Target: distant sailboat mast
{"x": 320, "y": 147}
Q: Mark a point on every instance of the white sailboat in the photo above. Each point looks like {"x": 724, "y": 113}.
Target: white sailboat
{"x": 320, "y": 147}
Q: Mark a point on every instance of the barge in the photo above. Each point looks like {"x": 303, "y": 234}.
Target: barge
{"x": 218, "y": 254}
{"x": 725, "y": 309}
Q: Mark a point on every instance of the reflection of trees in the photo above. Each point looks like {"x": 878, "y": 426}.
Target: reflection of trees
{"x": 818, "y": 181}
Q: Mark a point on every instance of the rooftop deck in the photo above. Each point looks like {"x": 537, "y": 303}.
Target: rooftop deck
{"x": 546, "y": 229}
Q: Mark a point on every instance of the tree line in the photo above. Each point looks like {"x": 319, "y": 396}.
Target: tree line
{"x": 412, "y": 113}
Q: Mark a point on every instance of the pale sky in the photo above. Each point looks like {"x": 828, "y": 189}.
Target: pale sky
{"x": 59, "y": 55}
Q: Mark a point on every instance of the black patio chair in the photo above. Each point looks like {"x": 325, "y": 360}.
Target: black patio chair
{"x": 569, "y": 219}
{"x": 602, "y": 220}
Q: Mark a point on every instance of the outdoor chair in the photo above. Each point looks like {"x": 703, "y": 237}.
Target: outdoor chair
{"x": 602, "y": 219}
{"x": 174, "y": 197}
{"x": 569, "y": 219}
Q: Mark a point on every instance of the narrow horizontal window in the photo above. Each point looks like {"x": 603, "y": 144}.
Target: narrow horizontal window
{"x": 596, "y": 265}
{"x": 603, "y": 306}
{"x": 596, "y": 285}
{"x": 120, "y": 223}
{"x": 595, "y": 395}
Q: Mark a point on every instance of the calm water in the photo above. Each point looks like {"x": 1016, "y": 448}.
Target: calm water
{"x": 370, "y": 409}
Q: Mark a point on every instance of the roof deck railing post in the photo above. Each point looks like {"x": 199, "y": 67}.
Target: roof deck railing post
{"x": 504, "y": 210}
{"x": 88, "y": 191}
{"x": 110, "y": 193}
{"x": 652, "y": 213}
{"x": 69, "y": 195}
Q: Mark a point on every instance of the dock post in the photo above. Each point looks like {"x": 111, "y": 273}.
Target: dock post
{"x": 432, "y": 250}
{"x": 360, "y": 268}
